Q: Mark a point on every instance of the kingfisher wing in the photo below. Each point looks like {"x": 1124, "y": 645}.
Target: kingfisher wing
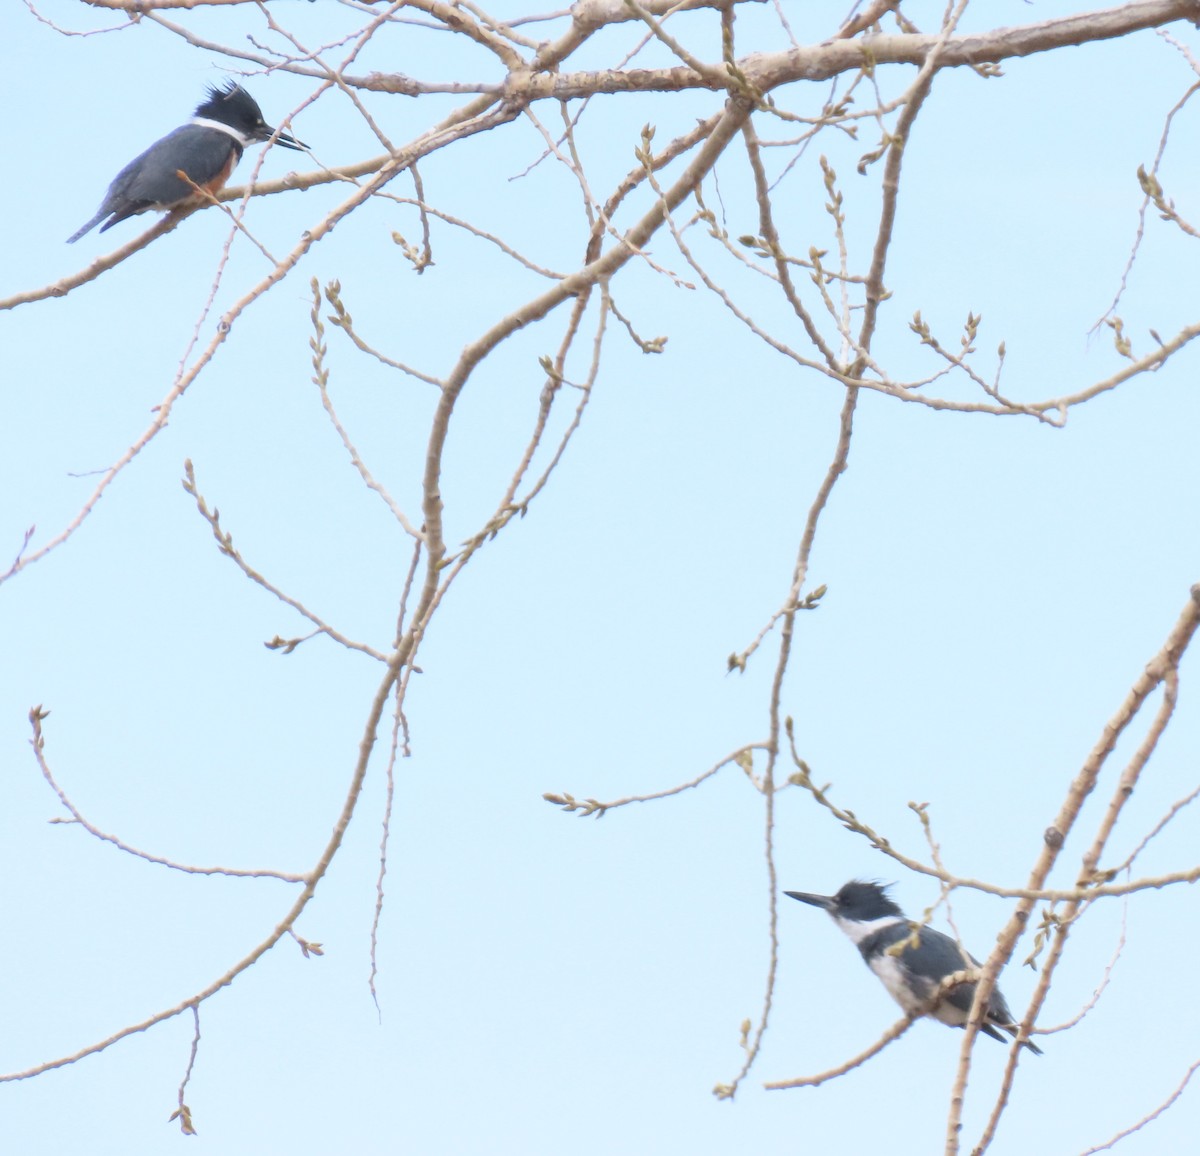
{"x": 940, "y": 955}
{"x": 936, "y": 956}
{"x": 152, "y": 180}
{"x": 929, "y": 961}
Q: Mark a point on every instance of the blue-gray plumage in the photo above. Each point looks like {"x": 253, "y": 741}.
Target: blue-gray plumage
{"x": 913, "y": 973}
{"x": 198, "y": 155}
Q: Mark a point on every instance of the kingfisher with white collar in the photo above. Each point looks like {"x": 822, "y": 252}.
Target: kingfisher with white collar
{"x": 912, "y": 973}
{"x": 204, "y": 151}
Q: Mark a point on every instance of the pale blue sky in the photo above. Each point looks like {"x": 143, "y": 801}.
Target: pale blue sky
{"x": 550, "y": 984}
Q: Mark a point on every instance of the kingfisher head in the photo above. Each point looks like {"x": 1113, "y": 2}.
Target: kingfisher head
{"x": 233, "y": 107}
{"x": 859, "y": 901}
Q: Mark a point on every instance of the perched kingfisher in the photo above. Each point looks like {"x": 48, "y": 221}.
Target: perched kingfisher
{"x": 206, "y": 149}
{"x": 912, "y": 973}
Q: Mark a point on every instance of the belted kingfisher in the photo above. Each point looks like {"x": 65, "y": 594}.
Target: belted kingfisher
{"x": 206, "y": 149}
{"x": 912, "y": 973}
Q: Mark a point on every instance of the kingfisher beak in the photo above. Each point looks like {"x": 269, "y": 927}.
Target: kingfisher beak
{"x": 824, "y": 902}
{"x": 286, "y": 139}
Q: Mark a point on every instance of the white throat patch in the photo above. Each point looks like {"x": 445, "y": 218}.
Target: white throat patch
{"x": 204, "y": 122}
{"x": 860, "y": 931}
